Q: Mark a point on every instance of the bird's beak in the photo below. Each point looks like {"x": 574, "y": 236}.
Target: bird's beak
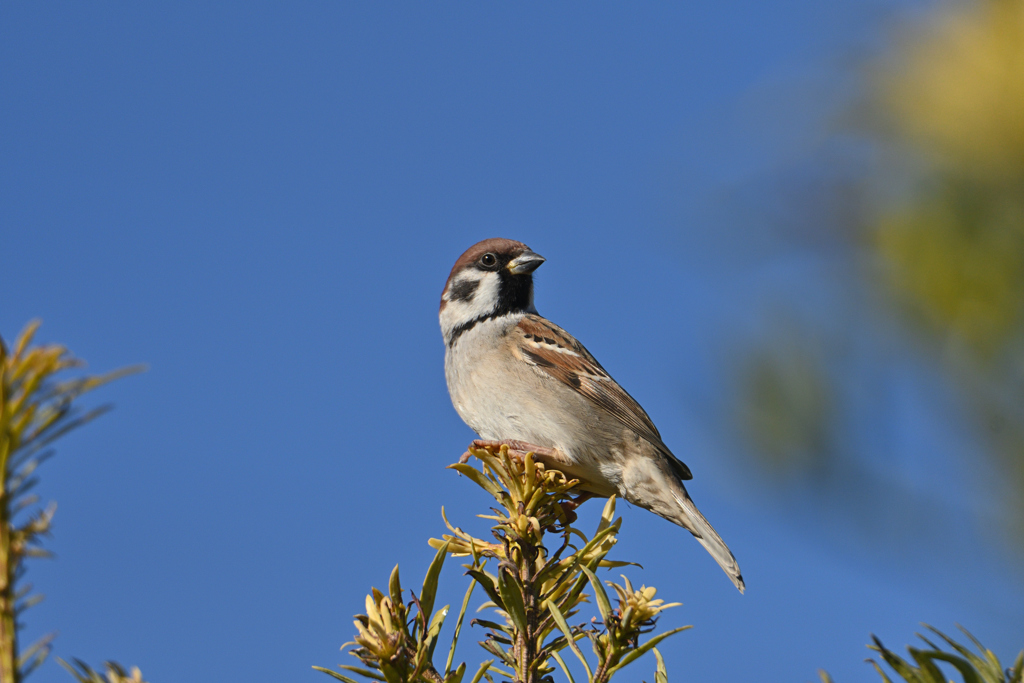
{"x": 527, "y": 262}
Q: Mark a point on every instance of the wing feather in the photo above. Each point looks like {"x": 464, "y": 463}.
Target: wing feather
{"x": 554, "y": 351}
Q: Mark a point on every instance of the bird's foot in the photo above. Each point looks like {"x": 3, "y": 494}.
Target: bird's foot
{"x": 516, "y": 449}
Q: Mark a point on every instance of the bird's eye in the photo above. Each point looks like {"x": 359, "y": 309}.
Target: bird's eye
{"x": 488, "y": 260}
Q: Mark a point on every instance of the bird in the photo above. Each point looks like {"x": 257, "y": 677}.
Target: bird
{"x": 518, "y": 379}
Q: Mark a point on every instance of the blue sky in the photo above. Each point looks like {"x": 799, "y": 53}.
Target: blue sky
{"x": 262, "y": 202}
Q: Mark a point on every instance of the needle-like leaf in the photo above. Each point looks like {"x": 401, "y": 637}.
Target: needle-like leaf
{"x": 482, "y": 671}
{"x": 661, "y": 674}
{"x": 335, "y": 674}
{"x": 561, "y": 662}
{"x": 430, "y": 582}
{"x": 603, "y": 604}
{"x": 570, "y": 640}
{"x": 644, "y": 649}
{"x": 458, "y": 628}
{"x": 512, "y": 598}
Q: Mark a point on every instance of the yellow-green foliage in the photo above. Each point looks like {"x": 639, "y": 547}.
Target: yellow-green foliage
{"x": 954, "y": 97}
{"x": 534, "y": 592}
{"x": 974, "y": 667}
{"x": 115, "y": 673}
{"x": 936, "y": 219}
{"x": 35, "y": 409}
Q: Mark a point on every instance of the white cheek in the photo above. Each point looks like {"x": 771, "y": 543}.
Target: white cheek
{"x": 485, "y": 299}
{"x": 483, "y": 302}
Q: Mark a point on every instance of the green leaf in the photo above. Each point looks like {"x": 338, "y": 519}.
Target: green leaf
{"x": 558, "y": 644}
{"x": 434, "y": 630}
{"x": 895, "y": 661}
{"x": 430, "y": 583}
{"x": 1017, "y": 675}
{"x": 977, "y": 643}
{"x": 484, "y": 666}
{"x": 510, "y": 675}
{"x": 969, "y": 673}
{"x": 36, "y": 654}
{"x": 335, "y": 674}
{"x": 87, "y": 675}
{"x": 390, "y": 674}
{"x": 512, "y": 597}
{"x": 930, "y": 671}
{"x": 661, "y": 675}
{"x": 395, "y": 587}
{"x": 558, "y": 658}
{"x": 487, "y": 584}
{"x": 496, "y": 650}
{"x": 615, "y": 564}
{"x": 570, "y": 641}
{"x": 577, "y": 560}
{"x": 458, "y": 628}
{"x": 603, "y": 604}
{"x": 362, "y": 672}
{"x": 978, "y": 662}
{"x": 478, "y": 478}
{"x": 997, "y": 669}
{"x": 494, "y": 626}
{"x": 456, "y": 676}
{"x": 572, "y": 598}
{"x": 644, "y": 649}
{"x": 885, "y": 679}
{"x": 599, "y": 538}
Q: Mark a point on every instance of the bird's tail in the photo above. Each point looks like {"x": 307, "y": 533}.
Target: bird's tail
{"x": 691, "y": 519}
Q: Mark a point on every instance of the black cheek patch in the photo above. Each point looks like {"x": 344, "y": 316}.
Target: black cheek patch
{"x": 463, "y": 290}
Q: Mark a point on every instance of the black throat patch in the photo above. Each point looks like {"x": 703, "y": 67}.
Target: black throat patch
{"x": 515, "y": 295}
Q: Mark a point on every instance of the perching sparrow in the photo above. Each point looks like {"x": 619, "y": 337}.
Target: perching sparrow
{"x": 516, "y": 377}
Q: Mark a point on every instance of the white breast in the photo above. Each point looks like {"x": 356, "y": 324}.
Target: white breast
{"x": 502, "y": 397}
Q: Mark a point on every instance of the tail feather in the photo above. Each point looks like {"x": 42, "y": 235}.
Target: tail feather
{"x": 696, "y": 524}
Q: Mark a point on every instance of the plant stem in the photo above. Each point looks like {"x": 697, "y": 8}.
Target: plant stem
{"x": 8, "y": 628}
{"x": 526, "y": 644}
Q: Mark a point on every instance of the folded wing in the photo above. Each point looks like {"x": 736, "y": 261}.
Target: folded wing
{"x": 553, "y": 350}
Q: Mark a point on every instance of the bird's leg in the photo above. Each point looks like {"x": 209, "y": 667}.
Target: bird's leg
{"x": 517, "y": 449}
{"x": 480, "y": 443}
{"x": 580, "y": 499}
{"x": 569, "y": 507}
{"x": 521, "y": 448}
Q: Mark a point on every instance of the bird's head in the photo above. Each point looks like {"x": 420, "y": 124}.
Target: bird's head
{"x": 492, "y": 278}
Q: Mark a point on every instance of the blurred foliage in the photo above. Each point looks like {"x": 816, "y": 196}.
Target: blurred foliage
{"x": 955, "y": 90}
{"x": 974, "y": 667}
{"x": 787, "y": 407}
{"x": 956, "y": 259}
{"x": 534, "y": 592}
{"x": 36, "y": 409}
{"x": 954, "y": 99}
{"x": 115, "y": 673}
{"x": 938, "y": 216}
{"x": 954, "y": 248}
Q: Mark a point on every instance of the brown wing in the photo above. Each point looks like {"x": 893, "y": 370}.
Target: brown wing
{"x": 553, "y": 350}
